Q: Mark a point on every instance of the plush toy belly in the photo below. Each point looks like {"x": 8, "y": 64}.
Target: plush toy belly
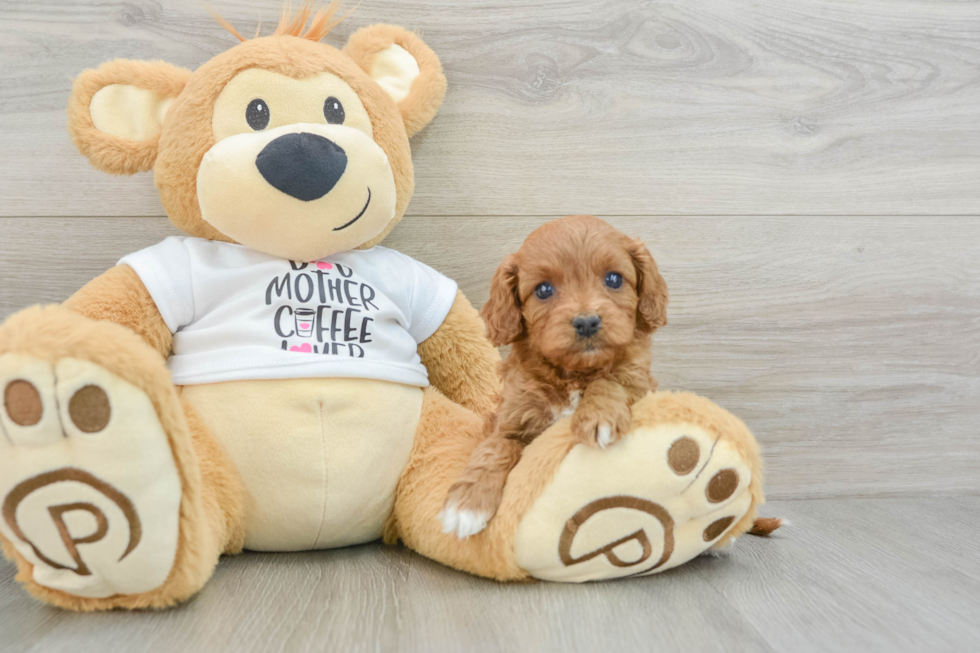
{"x": 320, "y": 458}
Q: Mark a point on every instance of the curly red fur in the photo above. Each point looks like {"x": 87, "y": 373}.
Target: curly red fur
{"x": 553, "y": 369}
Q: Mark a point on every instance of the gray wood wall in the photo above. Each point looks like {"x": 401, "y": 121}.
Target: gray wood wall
{"x": 806, "y": 172}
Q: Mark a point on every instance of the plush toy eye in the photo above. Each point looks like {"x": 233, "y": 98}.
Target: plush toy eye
{"x": 614, "y": 280}
{"x": 544, "y": 290}
{"x": 257, "y": 114}
{"x": 333, "y": 111}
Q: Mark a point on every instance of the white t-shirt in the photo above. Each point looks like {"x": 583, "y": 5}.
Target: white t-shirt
{"x": 240, "y": 314}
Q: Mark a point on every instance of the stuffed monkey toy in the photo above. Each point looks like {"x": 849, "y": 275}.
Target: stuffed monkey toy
{"x": 277, "y": 380}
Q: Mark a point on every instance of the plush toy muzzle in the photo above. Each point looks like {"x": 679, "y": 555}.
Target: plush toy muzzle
{"x": 301, "y": 191}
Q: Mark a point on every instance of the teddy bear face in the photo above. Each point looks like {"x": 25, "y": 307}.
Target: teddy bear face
{"x": 283, "y": 144}
{"x": 313, "y": 164}
{"x": 286, "y": 146}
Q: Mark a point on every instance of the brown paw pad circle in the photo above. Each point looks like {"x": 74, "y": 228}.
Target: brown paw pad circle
{"x": 722, "y": 485}
{"x": 89, "y": 409}
{"x": 683, "y": 455}
{"x": 716, "y": 528}
{"x": 23, "y": 403}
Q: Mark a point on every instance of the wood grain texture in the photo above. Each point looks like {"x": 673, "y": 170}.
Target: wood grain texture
{"x": 848, "y": 340}
{"x": 848, "y": 575}
{"x": 849, "y": 345}
{"x": 619, "y": 107}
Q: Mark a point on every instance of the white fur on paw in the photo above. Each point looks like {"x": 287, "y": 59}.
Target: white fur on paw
{"x": 462, "y": 523}
{"x": 449, "y": 518}
{"x": 604, "y": 437}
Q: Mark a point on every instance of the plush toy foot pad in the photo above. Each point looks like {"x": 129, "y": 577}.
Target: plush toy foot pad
{"x": 89, "y": 492}
{"x": 656, "y": 499}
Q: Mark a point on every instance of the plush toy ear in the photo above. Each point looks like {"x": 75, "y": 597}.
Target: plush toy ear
{"x": 116, "y": 111}
{"x": 651, "y": 312}
{"x": 502, "y": 312}
{"x": 403, "y": 66}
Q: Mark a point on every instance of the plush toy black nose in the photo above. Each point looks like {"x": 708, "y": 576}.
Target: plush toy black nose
{"x": 587, "y": 326}
{"x": 304, "y": 166}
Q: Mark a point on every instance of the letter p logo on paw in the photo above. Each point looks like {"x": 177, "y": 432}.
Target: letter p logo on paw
{"x": 661, "y": 496}
{"x": 618, "y": 552}
{"x": 69, "y": 540}
{"x": 89, "y": 491}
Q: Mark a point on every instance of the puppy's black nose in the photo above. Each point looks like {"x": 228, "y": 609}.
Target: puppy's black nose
{"x": 304, "y": 166}
{"x": 587, "y": 326}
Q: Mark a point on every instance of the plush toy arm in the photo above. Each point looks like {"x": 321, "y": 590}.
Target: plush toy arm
{"x": 119, "y": 296}
{"x": 461, "y": 361}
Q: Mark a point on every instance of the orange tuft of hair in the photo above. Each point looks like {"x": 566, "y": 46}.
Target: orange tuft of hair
{"x": 306, "y": 23}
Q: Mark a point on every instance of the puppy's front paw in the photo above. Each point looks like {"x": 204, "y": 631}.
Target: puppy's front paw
{"x": 601, "y": 428}
{"x": 467, "y": 510}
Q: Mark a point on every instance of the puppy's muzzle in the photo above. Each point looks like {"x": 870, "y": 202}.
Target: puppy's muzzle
{"x": 305, "y": 166}
{"x": 587, "y": 326}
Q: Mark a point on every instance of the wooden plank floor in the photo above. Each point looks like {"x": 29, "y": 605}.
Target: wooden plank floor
{"x": 847, "y": 575}
{"x": 807, "y": 173}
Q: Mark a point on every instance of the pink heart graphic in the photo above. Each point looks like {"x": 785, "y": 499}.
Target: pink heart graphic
{"x": 324, "y": 266}
{"x": 304, "y": 325}
{"x": 305, "y": 348}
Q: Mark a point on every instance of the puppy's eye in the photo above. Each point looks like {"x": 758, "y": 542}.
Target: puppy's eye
{"x": 544, "y": 290}
{"x": 614, "y": 280}
{"x": 257, "y": 114}
{"x": 333, "y": 111}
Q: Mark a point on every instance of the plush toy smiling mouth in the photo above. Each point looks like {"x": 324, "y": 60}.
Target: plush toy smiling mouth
{"x": 358, "y": 216}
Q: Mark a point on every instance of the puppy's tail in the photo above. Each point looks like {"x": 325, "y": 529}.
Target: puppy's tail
{"x": 764, "y": 526}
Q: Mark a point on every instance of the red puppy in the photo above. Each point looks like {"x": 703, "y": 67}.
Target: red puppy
{"x": 578, "y": 302}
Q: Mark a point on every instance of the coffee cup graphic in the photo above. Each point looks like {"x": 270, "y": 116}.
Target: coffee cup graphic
{"x": 304, "y": 321}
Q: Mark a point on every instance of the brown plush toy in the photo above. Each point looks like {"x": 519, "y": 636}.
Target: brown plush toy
{"x": 276, "y": 380}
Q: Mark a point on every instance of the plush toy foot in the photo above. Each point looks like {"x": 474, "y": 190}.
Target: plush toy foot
{"x": 89, "y": 490}
{"x": 662, "y": 495}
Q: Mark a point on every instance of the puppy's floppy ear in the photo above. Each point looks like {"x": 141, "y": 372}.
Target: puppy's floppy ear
{"x": 502, "y": 312}
{"x": 651, "y": 312}
{"x": 116, "y": 112}
{"x": 404, "y": 67}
